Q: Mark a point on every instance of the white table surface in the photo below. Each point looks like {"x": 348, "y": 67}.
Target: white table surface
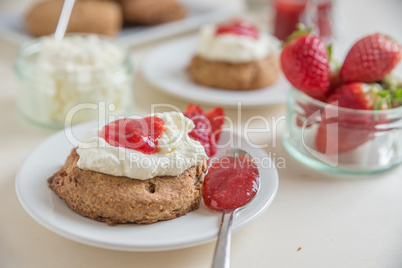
{"x": 336, "y": 221}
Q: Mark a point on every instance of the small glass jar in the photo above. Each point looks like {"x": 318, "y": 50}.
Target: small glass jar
{"x": 336, "y": 139}
{"x": 288, "y": 13}
{"x": 55, "y": 98}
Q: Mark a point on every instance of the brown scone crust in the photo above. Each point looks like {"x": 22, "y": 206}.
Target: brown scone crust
{"x": 115, "y": 200}
{"x": 234, "y": 76}
{"x": 98, "y": 17}
{"x": 152, "y": 12}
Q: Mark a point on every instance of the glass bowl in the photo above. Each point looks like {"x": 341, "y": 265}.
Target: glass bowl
{"x": 56, "y": 97}
{"x": 341, "y": 140}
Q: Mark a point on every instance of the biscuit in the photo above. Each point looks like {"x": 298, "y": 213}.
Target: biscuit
{"x": 113, "y": 200}
{"x": 151, "y": 12}
{"x": 98, "y": 17}
{"x": 234, "y": 76}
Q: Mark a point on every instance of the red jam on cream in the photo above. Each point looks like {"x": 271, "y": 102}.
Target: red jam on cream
{"x": 230, "y": 183}
{"x": 138, "y": 134}
{"x": 164, "y": 147}
{"x": 238, "y": 27}
{"x": 235, "y": 42}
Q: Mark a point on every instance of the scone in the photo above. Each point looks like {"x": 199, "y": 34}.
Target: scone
{"x": 113, "y": 199}
{"x": 235, "y": 56}
{"x": 152, "y": 12}
{"x": 99, "y": 17}
{"x": 134, "y": 171}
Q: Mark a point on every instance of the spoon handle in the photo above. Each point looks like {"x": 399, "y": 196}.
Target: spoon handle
{"x": 64, "y": 19}
{"x": 222, "y": 249}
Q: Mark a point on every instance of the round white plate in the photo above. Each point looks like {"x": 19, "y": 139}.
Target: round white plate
{"x": 166, "y": 65}
{"x": 198, "y": 227}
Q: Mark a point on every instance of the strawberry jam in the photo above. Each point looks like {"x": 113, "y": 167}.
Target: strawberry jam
{"x": 238, "y": 27}
{"x": 230, "y": 183}
{"x": 138, "y": 134}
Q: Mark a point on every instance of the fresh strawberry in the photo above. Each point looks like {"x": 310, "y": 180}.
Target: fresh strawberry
{"x": 337, "y": 136}
{"x": 347, "y": 131}
{"x": 207, "y": 126}
{"x": 309, "y": 109}
{"x": 305, "y": 63}
{"x": 370, "y": 59}
{"x": 359, "y": 96}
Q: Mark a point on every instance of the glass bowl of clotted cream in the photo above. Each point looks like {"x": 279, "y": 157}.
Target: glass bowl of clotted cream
{"x": 79, "y": 78}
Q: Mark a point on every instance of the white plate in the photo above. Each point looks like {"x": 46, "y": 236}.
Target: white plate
{"x": 198, "y": 227}
{"x": 166, "y": 65}
{"x": 198, "y": 13}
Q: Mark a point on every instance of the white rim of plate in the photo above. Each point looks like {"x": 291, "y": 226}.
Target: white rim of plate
{"x": 170, "y": 78}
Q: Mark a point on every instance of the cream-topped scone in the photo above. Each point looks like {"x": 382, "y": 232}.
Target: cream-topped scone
{"x": 235, "y": 55}
{"x": 139, "y": 170}
{"x": 175, "y": 152}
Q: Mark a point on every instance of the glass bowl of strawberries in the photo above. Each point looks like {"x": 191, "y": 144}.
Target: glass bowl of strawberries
{"x": 344, "y": 118}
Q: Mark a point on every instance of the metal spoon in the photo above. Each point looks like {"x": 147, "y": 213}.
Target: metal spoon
{"x": 64, "y": 18}
{"x": 222, "y": 249}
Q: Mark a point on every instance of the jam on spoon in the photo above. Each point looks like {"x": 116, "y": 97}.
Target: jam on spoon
{"x": 230, "y": 184}
{"x": 138, "y": 134}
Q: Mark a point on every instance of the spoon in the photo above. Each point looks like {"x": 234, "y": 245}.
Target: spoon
{"x": 64, "y": 18}
{"x": 222, "y": 249}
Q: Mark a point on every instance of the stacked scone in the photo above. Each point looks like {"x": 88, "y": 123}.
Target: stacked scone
{"x": 104, "y": 17}
{"x": 235, "y": 55}
{"x": 152, "y": 12}
{"x": 134, "y": 170}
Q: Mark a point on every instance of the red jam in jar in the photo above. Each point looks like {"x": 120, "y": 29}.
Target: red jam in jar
{"x": 238, "y": 27}
{"x": 138, "y": 134}
{"x": 230, "y": 183}
{"x": 289, "y": 13}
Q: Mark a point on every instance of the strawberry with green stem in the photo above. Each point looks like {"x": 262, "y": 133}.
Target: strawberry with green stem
{"x": 305, "y": 63}
{"x": 394, "y": 85}
{"x": 334, "y": 69}
{"x": 360, "y": 96}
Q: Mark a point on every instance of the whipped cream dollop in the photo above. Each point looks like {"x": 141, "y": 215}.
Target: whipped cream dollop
{"x": 78, "y": 53}
{"x": 74, "y": 71}
{"x": 176, "y": 152}
{"x": 234, "y": 48}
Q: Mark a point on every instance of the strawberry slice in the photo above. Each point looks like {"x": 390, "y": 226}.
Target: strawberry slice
{"x": 370, "y": 59}
{"x": 238, "y": 27}
{"x": 216, "y": 117}
{"x": 207, "y": 128}
{"x": 305, "y": 63}
{"x": 202, "y": 129}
